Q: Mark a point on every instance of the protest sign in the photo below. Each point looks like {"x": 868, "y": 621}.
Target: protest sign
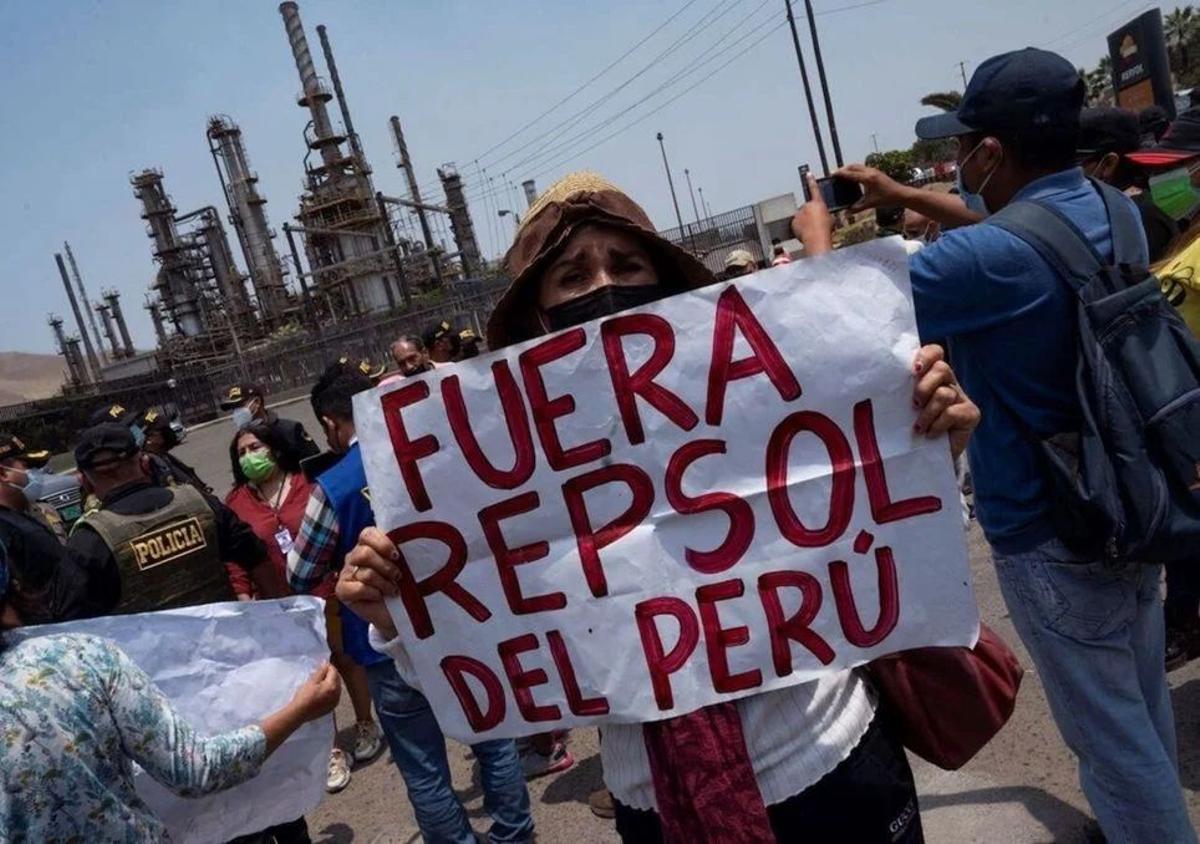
{"x": 705, "y": 498}
{"x": 224, "y": 666}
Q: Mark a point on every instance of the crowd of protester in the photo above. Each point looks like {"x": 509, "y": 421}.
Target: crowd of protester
{"x": 814, "y": 761}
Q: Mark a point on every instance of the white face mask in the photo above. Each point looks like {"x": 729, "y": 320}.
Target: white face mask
{"x": 242, "y": 417}
{"x": 974, "y": 199}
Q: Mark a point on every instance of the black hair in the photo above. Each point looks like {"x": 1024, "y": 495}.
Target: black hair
{"x": 30, "y": 589}
{"x": 284, "y": 458}
{"x": 1047, "y": 149}
{"x": 333, "y": 393}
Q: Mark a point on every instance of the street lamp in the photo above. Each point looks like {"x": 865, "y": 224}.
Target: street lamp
{"x": 671, "y": 185}
{"x": 516, "y": 221}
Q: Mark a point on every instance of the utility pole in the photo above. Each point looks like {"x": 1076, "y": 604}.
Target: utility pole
{"x": 875, "y": 142}
{"x": 833, "y": 133}
{"x": 695, "y": 210}
{"x": 671, "y": 185}
{"x": 962, "y": 68}
{"x": 812, "y": 109}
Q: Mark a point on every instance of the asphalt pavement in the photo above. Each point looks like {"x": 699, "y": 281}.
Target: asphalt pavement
{"x": 1021, "y": 788}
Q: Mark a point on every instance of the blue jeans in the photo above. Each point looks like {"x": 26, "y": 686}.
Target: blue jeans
{"x": 419, "y": 750}
{"x": 1095, "y": 632}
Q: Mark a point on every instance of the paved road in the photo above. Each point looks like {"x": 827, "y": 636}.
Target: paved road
{"x": 1021, "y": 788}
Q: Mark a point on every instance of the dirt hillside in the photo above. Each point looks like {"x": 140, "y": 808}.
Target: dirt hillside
{"x": 24, "y": 376}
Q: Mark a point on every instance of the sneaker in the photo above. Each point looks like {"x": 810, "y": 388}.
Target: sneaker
{"x": 339, "y": 771}
{"x": 536, "y": 765}
{"x": 602, "y": 805}
{"x": 367, "y": 741}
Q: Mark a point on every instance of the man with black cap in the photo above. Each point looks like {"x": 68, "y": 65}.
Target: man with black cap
{"x": 247, "y": 403}
{"x": 1107, "y": 137}
{"x": 159, "y": 439}
{"x": 151, "y": 547}
{"x": 29, "y": 539}
{"x": 1094, "y": 629}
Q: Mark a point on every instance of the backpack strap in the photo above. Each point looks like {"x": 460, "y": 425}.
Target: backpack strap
{"x": 1054, "y": 237}
{"x": 1124, "y": 223}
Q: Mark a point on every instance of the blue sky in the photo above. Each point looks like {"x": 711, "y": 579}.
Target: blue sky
{"x": 98, "y": 90}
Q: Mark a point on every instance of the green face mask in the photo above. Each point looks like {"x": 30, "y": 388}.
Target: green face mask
{"x": 1174, "y": 193}
{"x": 257, "y": 466}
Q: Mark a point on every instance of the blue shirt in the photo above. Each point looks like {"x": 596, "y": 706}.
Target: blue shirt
{"x": 1010, "y": 321}
{"x": 345, "y": 488}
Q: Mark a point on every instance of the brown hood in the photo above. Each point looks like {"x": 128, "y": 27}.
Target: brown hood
{"x": 569, "y": 203}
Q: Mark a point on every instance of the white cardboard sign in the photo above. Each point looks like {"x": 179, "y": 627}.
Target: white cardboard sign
{"x": 705, "y": 498}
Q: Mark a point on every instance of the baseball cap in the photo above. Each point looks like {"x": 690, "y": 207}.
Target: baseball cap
{"x": 468, "y": 335}
{"x": 1022, "y": 90}
{"x": 363, "y": 365}
{"x": 1181, "y": 142}
{"x": 238, "y": 394}
{"x": 739, "y": 258}
{"x": 12, "y": 447}
{"x": 116, "y": 413}
{"x": 1104, "y": 130}
{"x": 98, "y": 439}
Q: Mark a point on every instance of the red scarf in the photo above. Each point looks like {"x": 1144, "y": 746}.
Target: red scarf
{"x": 703, "y": 780}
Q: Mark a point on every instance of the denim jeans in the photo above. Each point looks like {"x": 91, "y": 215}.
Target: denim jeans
{"x": 1095, "y": 632}
{"x": 419, "y": 750}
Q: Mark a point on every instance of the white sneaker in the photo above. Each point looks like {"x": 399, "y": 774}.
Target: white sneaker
{"x": 367, "y": 741}
{"x": 339, "y": 771}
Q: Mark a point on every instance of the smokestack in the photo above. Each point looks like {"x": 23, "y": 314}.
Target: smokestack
{"x": 347, "y": 123}
{"x": 156, "y": 317}
{"x": 75, "y": 361}
{"x": 114, "y": 305}
{"x": 315, "y": 94}
{"x": 93, "y": 363}
{"x": 460, "y": 221}
{"x": 106, "y": 321}
{"x": 413, "y": 190}
{"x": 249, "y": 217}
{"x": 530, "y": 192}
{"x": 60, "y": 340}
{"x": 87, "y": 305}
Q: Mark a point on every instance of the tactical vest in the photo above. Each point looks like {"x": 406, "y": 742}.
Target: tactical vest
{"x": 167, "y": 558}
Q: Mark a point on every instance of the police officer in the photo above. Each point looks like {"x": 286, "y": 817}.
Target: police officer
{"x": 28, "y": 538}
{"x": 159, "y": 470}
{"x": 248, "y": 405}
{"x": 151, "y": 547}
{"x": 160, "y": 438}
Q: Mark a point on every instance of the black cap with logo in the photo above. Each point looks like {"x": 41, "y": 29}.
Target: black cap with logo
{"x": 1027, "y": 89}
{"x": 116, "y": 413}
{"x": 238, "y": 394}
{"x": 97, "y": 441}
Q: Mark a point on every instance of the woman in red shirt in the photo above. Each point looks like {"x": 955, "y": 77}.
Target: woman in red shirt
{"x": 270, "y": 494}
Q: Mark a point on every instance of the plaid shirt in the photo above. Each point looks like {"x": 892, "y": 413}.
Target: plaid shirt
{"x": 315, "y": 550}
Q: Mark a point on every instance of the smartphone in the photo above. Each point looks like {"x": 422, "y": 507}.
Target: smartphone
{"x": 839, "y": 192}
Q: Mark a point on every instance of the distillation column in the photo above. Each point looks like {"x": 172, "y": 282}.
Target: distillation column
{"x": 109, "y": 331}
{"x": 248, "y": 214}
{"x": 176, "y": 282}
{"x": 460, "y": 221}
{"x": 113, "y": 298}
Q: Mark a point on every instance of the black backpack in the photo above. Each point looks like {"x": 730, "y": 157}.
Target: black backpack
{"x": 1126, "y": 484}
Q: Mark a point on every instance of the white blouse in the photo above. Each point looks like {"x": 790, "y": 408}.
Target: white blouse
{"x": 794, "y": 736}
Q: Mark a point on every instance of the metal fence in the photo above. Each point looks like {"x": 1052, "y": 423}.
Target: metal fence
{"x": 713, "y": 238}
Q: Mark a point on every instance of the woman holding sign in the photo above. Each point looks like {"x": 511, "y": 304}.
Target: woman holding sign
{"x": 77, "y": 713}
{"x": 807, "y": 762}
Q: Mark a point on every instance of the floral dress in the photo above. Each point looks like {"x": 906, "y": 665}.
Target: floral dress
{"x": 75, "y": 714}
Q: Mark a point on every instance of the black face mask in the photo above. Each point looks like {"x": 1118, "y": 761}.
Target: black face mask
{"x": 601, "y": 302}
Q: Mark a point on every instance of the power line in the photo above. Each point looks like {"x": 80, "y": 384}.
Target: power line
{"x": 706, "y": 56}
{"x": 606, "y": 69}
{"x": 1095, "y": 20}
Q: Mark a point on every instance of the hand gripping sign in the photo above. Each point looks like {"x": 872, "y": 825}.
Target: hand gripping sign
{"x": 706, "y": 498}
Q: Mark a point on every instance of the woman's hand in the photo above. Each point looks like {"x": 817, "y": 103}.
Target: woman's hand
{"x": 320, "y": 693}
{"x": 369, "y": 576}
{"x": 943, "y": 407}
{"x": 813, "y": 224}
{"x": 318, "y": 696}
